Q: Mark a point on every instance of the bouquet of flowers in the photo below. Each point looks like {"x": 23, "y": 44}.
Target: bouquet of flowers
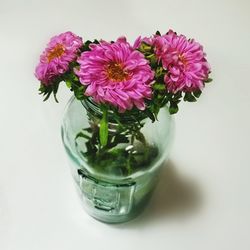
{"x": 124, "y": 80}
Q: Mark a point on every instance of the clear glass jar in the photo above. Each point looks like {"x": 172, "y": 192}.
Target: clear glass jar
{"x": 116, "y": 188}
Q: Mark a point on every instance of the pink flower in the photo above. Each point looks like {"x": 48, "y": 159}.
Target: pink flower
{"x": 139, "y": 40}
{"x": 184, "y": 60}
{"x": 117, "y": 74}
{"x": 54, "y": 61}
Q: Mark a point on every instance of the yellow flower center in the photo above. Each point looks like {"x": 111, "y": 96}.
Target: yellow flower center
{"x": 182, "y": 59}
{"x": 115, "y": 72}
{"x": 56, "y": 52}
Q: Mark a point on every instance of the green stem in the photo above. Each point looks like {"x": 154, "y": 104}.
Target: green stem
{"x": 130, "y": 153}
{"x": 142, "y": 139}
{"x": 103, "y": 132}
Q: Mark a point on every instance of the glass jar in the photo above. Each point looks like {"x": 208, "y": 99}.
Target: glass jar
{"x": 115, "y": 186}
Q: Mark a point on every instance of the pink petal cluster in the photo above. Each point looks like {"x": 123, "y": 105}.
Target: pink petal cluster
{"x": 184, "y": 60}
{"x": 54, "y": 61}
{"x": 117, "y": 74}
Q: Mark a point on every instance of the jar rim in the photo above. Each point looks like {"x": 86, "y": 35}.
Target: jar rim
{"x": 94, "y": 109}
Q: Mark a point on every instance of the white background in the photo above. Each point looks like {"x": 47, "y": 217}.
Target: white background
{"x": 202, "y": 201}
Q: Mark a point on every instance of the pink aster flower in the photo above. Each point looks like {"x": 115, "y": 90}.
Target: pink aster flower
{"x": 117, "y": 74}
{"x": 54, "y": 61}
{"x": 184, "y": 60}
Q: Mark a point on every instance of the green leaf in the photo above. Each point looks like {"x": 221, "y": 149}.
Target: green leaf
{"x": 146, "y": 48}
{"x": 45, "y": 91}
{"x": 103, "y": 132}
{"x": 81, "y": 134}
{"x": 159, "y": 73}
{"x": 189, "y": 97}
{"x": 89, "y": 130}
{"x": 91, "y": 149}
{"x": 140, "y": 137}
{"x": 79, "y": 92}
{"x": 173, "y": 109}
{"x": 55, "y": 97}
{"x": 159, "y": 86}
{"x": 42, "y": 88}
{"x": 177, "y": 96}
{"x": 158, "y": 33}
{"x": 153, "y": 60}
{"x": 164, "y": 101}
{"x": 96, "y": 41}
{"x": 155, "y": 108}
{"x": 150, "y": 114}
{"x": 120, "y": 138}
{"x": 197, "y": 93}
{"x": 68, "y": 83}
{"x": 55, "y": 87}
{"x": 208, "y": 80}
{"x": 86, "y": 46}
{"x": 47, "y": 96}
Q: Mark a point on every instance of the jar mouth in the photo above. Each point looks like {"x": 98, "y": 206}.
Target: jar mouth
{"x": 78, "y": 160}
{"x": 127, "y": 117}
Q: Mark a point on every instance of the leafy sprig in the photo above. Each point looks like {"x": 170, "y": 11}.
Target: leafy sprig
{"x": 47, "y": 90}
{"x": 106, "y": 143}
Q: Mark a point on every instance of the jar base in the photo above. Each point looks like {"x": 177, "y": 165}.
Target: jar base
{"x": 110, "y": 218}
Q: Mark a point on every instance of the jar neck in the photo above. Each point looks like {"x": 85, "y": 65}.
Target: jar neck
{"x": 94, "y": 110}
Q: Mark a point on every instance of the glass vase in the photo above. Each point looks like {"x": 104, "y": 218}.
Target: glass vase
{"x": 116, "y": 184}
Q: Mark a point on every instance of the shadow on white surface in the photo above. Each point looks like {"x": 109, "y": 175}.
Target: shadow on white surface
{"x": 175, "y": 197}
